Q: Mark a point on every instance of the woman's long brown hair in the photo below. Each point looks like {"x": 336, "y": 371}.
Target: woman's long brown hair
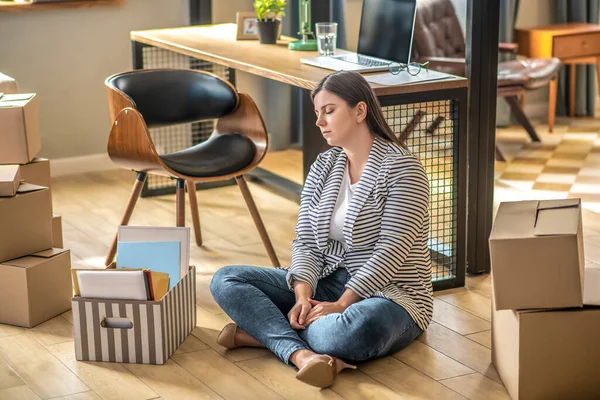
{"x": 353, "y": 88}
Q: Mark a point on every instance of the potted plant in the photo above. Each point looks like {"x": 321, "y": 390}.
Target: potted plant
{"x": 268, "y": 15}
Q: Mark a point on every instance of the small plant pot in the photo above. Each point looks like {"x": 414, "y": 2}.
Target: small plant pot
{"x": 268, "y": 31}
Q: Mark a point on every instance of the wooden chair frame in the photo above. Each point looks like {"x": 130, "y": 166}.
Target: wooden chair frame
{"x": 130, "y": 146}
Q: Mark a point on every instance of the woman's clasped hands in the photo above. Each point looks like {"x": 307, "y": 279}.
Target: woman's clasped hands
{"x": 307, "y": 311}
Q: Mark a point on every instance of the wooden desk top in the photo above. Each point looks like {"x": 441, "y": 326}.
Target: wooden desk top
{"x": 217, "y": 44}
{"x": 571, "y": 41}
{"x": 563, "y": 29}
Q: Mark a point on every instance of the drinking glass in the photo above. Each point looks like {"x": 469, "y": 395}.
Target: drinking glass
{"x": 326, "y": 37}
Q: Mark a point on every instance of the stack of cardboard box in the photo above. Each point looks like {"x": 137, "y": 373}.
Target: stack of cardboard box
{"x": 35, "y": 280}
{"x": 545, "y": 341}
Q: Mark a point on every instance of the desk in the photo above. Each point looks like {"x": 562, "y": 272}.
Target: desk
{"x": 574, "y": 43}
{"x": 441, "y": 143}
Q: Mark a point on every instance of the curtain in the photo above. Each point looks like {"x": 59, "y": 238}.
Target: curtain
{"x": 585, "y": 84}
{"x": 508, "y": 19}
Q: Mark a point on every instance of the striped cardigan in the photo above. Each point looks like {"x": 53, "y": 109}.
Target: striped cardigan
{"x": 386, "y": 229}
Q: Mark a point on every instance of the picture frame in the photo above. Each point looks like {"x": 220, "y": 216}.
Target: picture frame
{"x": 247, "y": 27}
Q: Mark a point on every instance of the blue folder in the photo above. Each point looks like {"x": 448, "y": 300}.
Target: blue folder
{"x": 155, "y": 256}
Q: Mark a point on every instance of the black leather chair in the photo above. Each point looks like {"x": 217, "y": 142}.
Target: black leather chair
{"x": 143, "y": 99}
{"x": 438, "y": 39}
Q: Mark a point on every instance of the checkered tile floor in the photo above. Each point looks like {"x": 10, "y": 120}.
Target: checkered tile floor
{"x": 565, "y": 164}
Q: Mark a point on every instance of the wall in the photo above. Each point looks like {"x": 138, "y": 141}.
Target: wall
{"x": 64, "y": 55}
{"x": 273, "y": 99}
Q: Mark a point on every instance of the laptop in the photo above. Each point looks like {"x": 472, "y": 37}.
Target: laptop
{"x": 385, "y": 36}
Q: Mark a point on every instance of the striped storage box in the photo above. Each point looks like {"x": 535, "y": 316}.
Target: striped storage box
{"x": 154, "y": 329}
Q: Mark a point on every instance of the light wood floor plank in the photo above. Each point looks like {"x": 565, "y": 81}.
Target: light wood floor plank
{"x": 461, "y": 349}
{"x": 18, "y": 393}
{"x": 27, "y": 358}
{"x": 9, "y": 330}
{"x": 481, "y": 284}
{"x": 379, "y": 365}
{"x": 456, "y": 319}
{"x": 53, "y": 331}
{"x": 190, "y": 344}
{"x": 477, "y": 387}
{"x": 431, "y": 362}
{"x": 471, "y": 302}
{"x": 413, "y": 385}
{"x": 223, "y": 377}
{"x": 111, "y": 381}
{"x": 355, "y": 385}
{"x": 68, "y": 315}
{"x": 483, "y": 338}
{"x": 90, "y": 395}
{"x": 8, "y": 378}
{"x": 281, "y": 378}
{"x": 171, "y": 381}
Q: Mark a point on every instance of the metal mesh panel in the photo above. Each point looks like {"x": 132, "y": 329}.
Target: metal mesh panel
{"x": 428, "y": 130}
{"x": 178, "y": 137}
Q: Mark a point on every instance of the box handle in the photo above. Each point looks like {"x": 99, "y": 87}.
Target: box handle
{"x": 118, "y": 323}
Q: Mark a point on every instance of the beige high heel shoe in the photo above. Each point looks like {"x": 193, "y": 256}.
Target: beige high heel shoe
{"x": 227, "y": 336}
{"x": 321, "y": 370}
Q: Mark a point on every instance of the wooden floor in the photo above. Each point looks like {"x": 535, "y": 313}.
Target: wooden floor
{"x": 452, "y": 360}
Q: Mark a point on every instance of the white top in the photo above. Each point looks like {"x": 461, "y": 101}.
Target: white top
{"x": 336, "y": 226}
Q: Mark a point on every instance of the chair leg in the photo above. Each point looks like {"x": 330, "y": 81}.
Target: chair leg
{"x": 552, "y": 104}
{"x": 411, "y": 125}
{"x": 523, "y": 100}
{"x": 499, "y": 155}
{"x": 257, "y": 220}
{"x": 180, "y": 203}
{"x": 434, "y": 125}
{"x": 572, "y": 79}
{"x": 191, "y": 188}
{"x": 135, "y": 194}
{"x": 513, "y": 102}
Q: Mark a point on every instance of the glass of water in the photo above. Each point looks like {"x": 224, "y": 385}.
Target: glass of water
{"x": 326, "y": 37}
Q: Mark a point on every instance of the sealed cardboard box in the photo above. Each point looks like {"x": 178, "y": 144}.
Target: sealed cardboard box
{"x": 57, "y": 235}
{"x": 591, "y": 287}
{"x": 548, "y": 354}
{"x": 25, "y": 222}
{"x": 35, "y": 288}
{"x": 536, "y": 250}
{"x": 37, "y": 172}
{"x": 10, "y": 179}
{"x": 19, "y": 128}
{"x": 134, "y": 331}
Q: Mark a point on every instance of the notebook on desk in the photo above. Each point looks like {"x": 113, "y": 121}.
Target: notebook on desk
{"x": 385, "y": 36}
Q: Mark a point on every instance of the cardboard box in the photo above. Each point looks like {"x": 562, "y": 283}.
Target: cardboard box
{"x": 37, "y": 172}
{"x": 155, "y": 328}
{"x": 552, "y": 354}
{"x": 19, "y": 128}
{"x": 591, "y": 286}
{"x": 10, "y": 179}
{"x": 35, "y": 288}
{"x": 25, "y": 222}
{"x": 536, "y": 250}
{"x": 57, "y": 235}
{"x": 8, "y": 85}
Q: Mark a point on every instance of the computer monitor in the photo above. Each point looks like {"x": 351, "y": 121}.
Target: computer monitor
{"x": 386, "y": 29}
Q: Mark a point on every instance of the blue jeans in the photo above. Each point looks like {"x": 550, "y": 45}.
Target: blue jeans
{"x": 258, "y": 300}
